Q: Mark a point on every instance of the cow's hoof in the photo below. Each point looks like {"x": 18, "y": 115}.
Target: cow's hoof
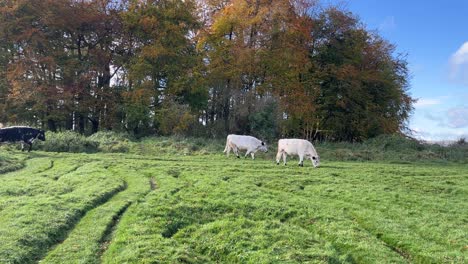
{"x": 277, "y": 163}
{"x": 238, "y": 157}
{"x": 301, "y": 165}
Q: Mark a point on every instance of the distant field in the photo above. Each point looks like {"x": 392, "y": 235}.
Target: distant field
{"x": 205, "y": 208}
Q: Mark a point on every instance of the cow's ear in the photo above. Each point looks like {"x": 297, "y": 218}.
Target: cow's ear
{"x": 263, "y": 143}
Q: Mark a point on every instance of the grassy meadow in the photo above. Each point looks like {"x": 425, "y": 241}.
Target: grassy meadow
{"x": 165, "y": 200}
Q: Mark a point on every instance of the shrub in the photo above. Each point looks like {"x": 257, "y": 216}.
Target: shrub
{"x": 263, "y": 122}
{"x": 394, "y": 142}
{"x": 461, "y": 142}
{"x": 109, "y": 141}
{"x": 67, "y": 141}
{"x": 175, "y": 119}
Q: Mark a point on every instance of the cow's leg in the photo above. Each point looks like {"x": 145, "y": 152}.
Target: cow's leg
{"x": 226, "y": 147}
{"x": 22, "y": 146}
{"x": 252, "y": 154}
{"x": 227, "y": 150}
{"x": 30, "y": 147}
{"x": 247, "y": 153}
{"x": 284, "y": 158}
{"x": 278, "y": 157}
{"x": 301, "y": 160}
{"x": 236, "y": 151}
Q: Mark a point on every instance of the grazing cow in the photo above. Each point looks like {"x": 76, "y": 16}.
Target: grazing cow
{"x": 249, "y": 143}
{"x": 26, "y": 135}
{"x": 300, "y": 147}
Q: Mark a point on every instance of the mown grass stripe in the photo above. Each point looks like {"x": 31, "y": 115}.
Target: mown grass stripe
{"x": 39, "y": 211}
{"x": 93, "y": 234}
{"x": 110, "y": 229}
{"x": 210, "y": 209}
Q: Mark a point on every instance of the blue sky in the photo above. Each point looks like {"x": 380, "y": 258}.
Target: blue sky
{"x": 434, "y": 35}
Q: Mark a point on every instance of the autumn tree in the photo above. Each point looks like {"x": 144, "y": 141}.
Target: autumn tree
{"x": 255, "y": 52}
{"x": 270, "y": 68}
{"x": 61, "y": 54}
{"x": 164, "y": 62}
{"x": 363, "y": 85}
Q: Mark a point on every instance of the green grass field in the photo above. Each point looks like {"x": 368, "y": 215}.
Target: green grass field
{"x": 180, "y": 207}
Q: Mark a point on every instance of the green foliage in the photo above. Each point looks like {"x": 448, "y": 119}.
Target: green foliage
{"x": 67, "y": 141}
{"x": 391, "y": 148}
{"x": 263, "y": 123}
{"x": 103, "y": 141}
{"x": 461, "y": 142}
{"x": 178, "y": 146}
{"x": 358, "y": 100}
{"x": 109, "y": 141}
{"x": 175, "y": 119}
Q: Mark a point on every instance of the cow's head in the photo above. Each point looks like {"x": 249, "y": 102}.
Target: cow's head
{"x": 316, "y": 161}
{"x": 263, "y": 147}
{"x": 41, "y": 135}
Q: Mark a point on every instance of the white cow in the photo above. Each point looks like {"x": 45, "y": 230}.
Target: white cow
{"x": 249, "y": 143}
{"x": 300, "y": 147}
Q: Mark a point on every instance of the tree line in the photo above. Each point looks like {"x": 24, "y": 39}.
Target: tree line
{"x": 206, "y": 68}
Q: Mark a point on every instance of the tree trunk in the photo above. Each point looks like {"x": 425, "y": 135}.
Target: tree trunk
{"x": 81, "y": 124}
{"x": 94, "y": 125}
{"x": 51, "y": 125}
{"x": 226, "y": 106}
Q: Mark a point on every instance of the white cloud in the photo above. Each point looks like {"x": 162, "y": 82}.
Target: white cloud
{"x": 424, "y": 102}
{"x": 461, "y": 55}
{"x": 435, "y": 136}
{"x": 459, "y": 64}
{"x": 388, "y": 24}
{"x": 458, "y": 117}
{"x": 440, "y": 122}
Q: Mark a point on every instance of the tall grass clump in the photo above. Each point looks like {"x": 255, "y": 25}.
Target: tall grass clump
{"x": 109, "y": 141}
{"x": 68, "y": 141}
{"x": 392, "y": 148}
{"x": 178, "y": 146}
{"x": 8, "y": 163}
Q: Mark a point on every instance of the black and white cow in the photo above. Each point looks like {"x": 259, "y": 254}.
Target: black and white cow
{"x": 27, "y": 135}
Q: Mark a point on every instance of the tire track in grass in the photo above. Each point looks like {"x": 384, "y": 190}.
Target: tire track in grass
{"x": 110, "y": 229}
{"x": 336, "y": 230}
{"x": 60, "y": 168}
{"x": 106, "y": 239}
{"x": 394, "y": 221}
{"x": 401, "y": 252}
{"x": 72, "y": 170}
{"x": 72, "y": 226}
{"x": 35, "y": 224}
{"x": 174, "y": 212}
{"x": 36, "y": 249}
{"x": 51, "y": 165}
{"x": 30, "y": 166}
{"x": 91, "y": 237}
